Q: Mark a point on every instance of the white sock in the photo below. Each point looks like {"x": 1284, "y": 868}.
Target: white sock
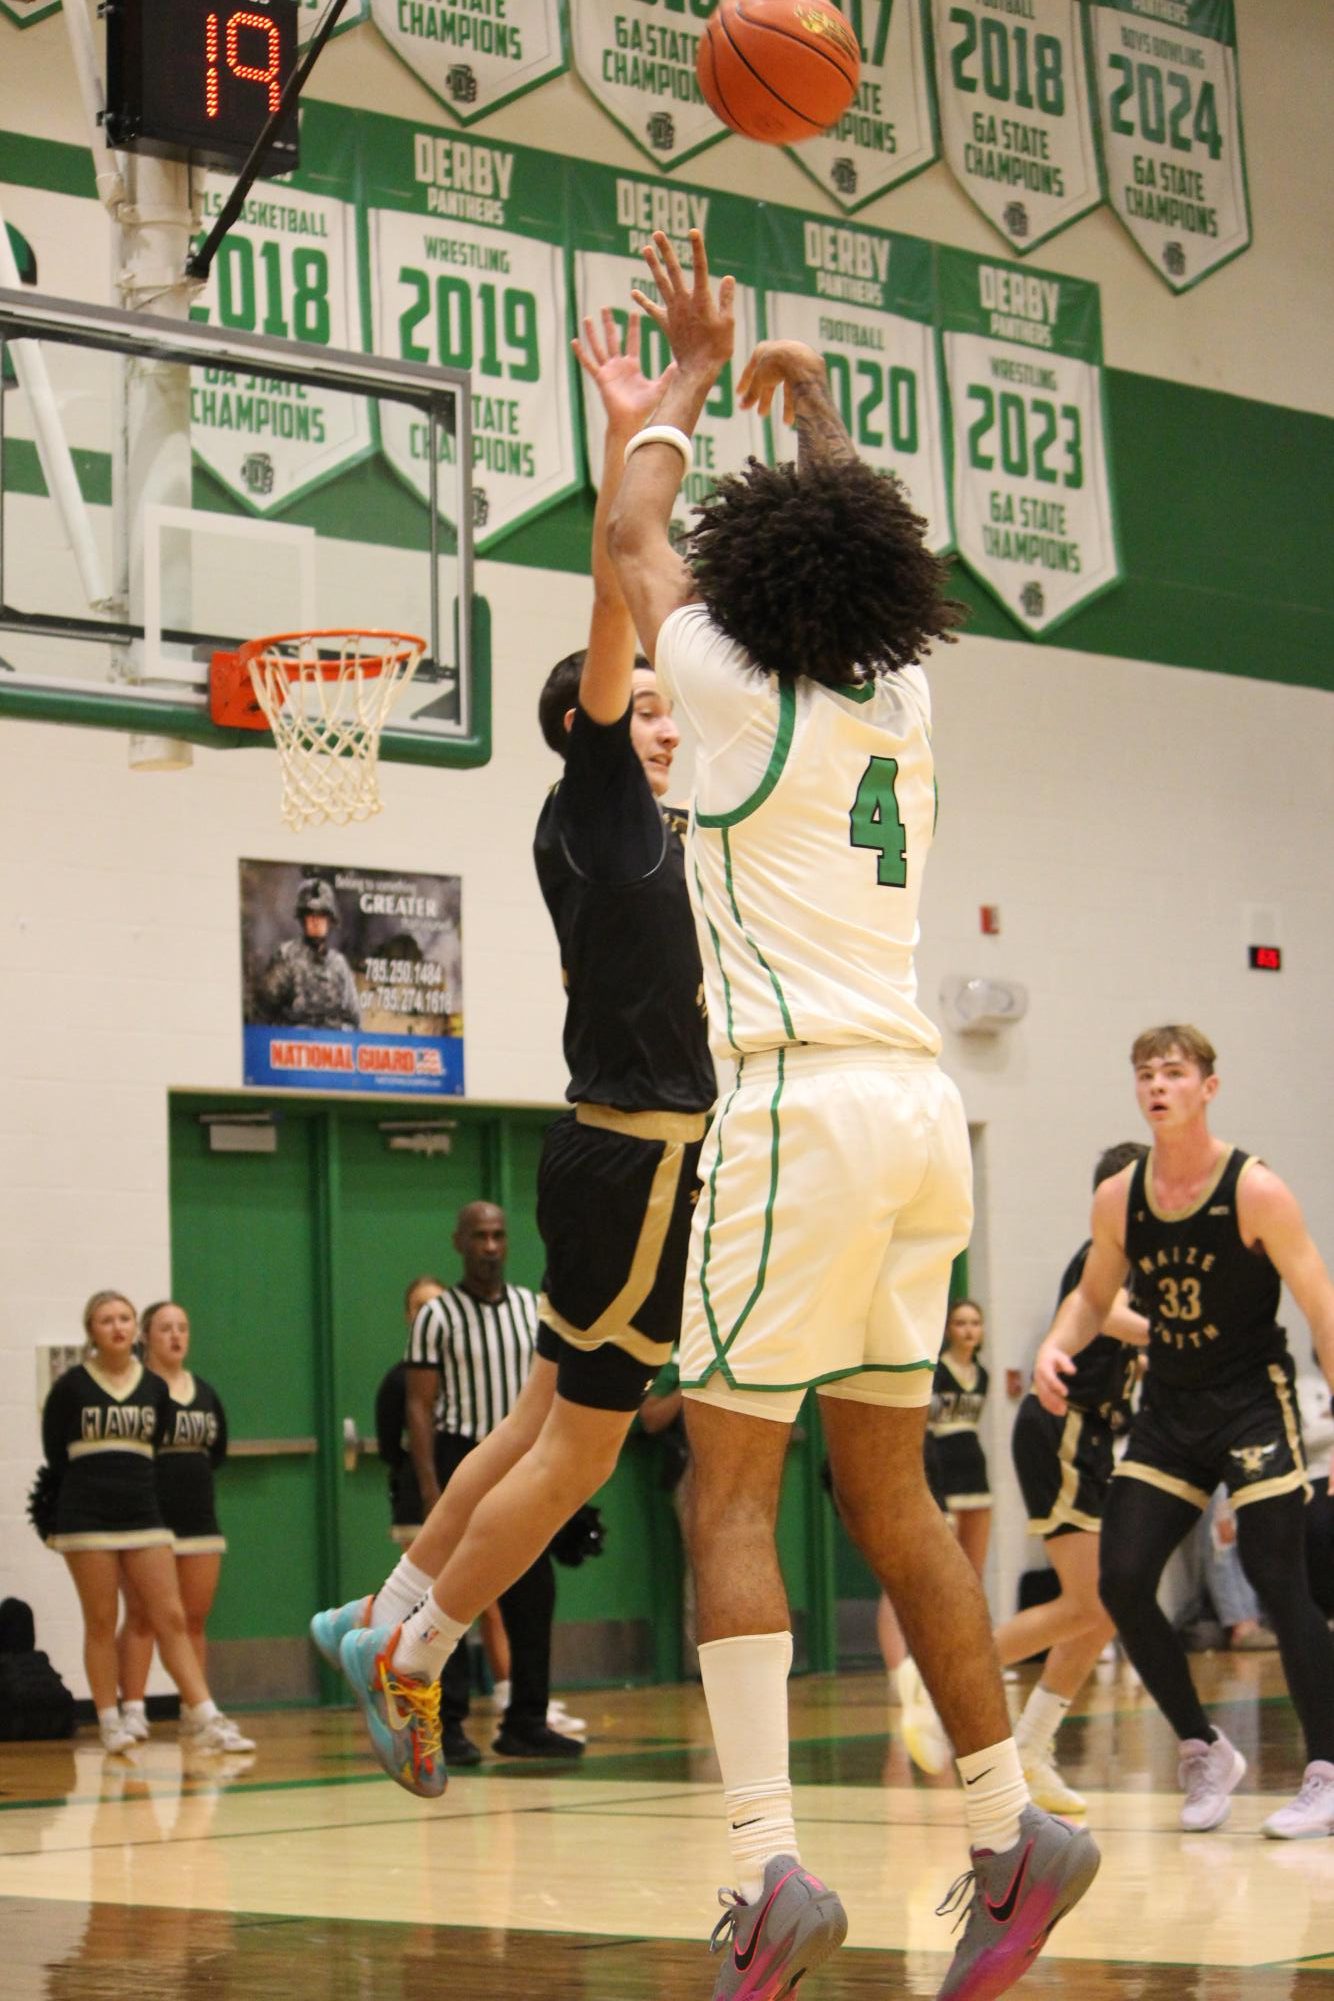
{"x": 201, "y": 1713}
{"x": 109, "y": 1719}
{"x": 1043, "y": 1716}
{"x": 994, "y": 1795}
{"x": 428, "y": 1639}
{"x": 745, "y": 1686}
{"x": 134, "y": 1707}
{"x": 401, "y": 1593}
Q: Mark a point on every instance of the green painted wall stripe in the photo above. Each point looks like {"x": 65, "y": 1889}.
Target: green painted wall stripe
{"x": 47, "y": 163}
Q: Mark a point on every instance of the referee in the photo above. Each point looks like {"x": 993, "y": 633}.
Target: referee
{"x": 472, "y": 1347}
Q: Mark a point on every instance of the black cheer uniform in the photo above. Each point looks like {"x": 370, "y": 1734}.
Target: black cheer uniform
{"x": 1065, "y": 1463}
{"x": 617, "y": 1183}
{"x": 1218, "y": 1399}
{"x": 194, "y": 1445}
{"x": 957, "y": 1465}
{"x": 100, "y": 1443}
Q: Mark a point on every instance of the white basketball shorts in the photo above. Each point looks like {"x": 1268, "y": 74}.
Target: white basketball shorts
{"x": 836, "y": 1194}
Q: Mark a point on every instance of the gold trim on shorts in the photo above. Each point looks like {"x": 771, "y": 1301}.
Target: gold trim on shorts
{"x": 1168, "y": 1483}
{"x": 638, "y": 1346}
{"x": 1265, "y": 1490}
{"x": 1064, "y": 1513}
{"x": 682, "y": 1127}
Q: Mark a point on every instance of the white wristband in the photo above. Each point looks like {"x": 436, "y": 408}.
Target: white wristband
{"x": 664, "y": 434}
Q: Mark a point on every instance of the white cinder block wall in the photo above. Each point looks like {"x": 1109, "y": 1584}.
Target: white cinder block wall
{"x": 1122, "y": 816}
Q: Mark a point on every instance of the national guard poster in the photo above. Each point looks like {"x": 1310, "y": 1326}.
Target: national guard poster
{"x": 1169, "y": 108}
{"x": 1033, "y": 512}
{"x": 1016, "y": 115}
{"x": 889, "y": 132}
{"x": 352, "y": 978}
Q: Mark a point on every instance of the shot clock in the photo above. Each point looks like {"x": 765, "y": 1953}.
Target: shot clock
{"x": 199, "y": 78}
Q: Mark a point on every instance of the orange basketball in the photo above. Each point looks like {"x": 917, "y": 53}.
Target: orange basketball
{"x": 778, "y": 70}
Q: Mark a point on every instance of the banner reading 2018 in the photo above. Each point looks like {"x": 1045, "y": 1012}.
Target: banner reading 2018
{"x": 1015, "y": 113}
{"x": 1033, "y": 511}
{"x": 468, "y": 271}
{"x": 1169, "y": 105}
{"x": 865, "y": 300}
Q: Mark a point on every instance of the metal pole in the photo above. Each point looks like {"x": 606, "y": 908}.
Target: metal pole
{"x": 433, "y": 530}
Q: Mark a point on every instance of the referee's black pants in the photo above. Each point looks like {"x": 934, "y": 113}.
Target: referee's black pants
{"x": 527, "y": 1609}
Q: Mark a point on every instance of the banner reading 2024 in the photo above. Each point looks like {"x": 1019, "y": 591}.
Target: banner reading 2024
{"x": 1016, "y": 116}
{"x": 468, "y": 271}
{"x": 612, "y": 216}
{"x": 1169, "y": 105}
{"x": 888, "y": 133}
{"x": 1033, "y": 511}
{"x": 866, "y": 301}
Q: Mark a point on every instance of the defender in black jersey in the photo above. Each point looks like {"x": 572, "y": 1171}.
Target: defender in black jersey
{"x": 1207, "y": 1234}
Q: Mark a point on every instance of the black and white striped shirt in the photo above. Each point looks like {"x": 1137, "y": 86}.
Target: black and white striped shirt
{"x": 483, "y": 1350}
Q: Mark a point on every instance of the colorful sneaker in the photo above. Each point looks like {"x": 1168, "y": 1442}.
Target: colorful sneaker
{"x": 402, "y": 1714}
{"x": 773, "y": 1943}
{"x": 1208, "y": 1774}
{"x": 923, "y": 1732}
{"x": 1312, "y": 1812}
{"x": 219, "y": 1735}
{"x": 1046, "y": 1786}
{"x": 1016, "y": 1898}
{"x": 328, "y": 1629}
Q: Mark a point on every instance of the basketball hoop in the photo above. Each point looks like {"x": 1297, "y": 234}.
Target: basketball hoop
{"x": 326, "y": 696}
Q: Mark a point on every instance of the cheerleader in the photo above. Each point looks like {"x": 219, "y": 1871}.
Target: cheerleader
{"x": 193, "y": 1444}
{"x": 957, "y": 1462}
{"x": 101, "y": 1426}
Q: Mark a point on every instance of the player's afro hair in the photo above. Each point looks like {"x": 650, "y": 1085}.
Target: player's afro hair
{"x": 820, "y": 572}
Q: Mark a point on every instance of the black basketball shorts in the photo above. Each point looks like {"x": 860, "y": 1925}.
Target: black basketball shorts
{"x": 1064, "y": 1465}
{"x": 1243, "y": 1435}
{"x": 615, "y": 1196}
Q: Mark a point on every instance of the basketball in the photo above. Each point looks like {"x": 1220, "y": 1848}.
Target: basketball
{"x": 778, "y": 70}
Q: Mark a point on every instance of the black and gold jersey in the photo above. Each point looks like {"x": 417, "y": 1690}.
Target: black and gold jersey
{"x": 1103, "y": 1384}
{"x": 193, "y": 1444}
{"x": 611, "y": 867}
{"x": 1212, "y": 1303}
{"x": 956, "y": 1405}
{"x": 100, "y": 1438}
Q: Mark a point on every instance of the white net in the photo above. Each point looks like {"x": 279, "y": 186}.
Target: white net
{"x": 327, "y": 696}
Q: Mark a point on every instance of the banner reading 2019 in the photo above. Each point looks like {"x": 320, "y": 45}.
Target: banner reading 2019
{"x": 1033, "y": 511}
{"x": 1169, "y": 103}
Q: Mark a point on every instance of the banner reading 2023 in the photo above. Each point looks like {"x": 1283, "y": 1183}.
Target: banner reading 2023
{"x": 1016, "y": 116}
{"x": 1169, "y": 104}
{"x": 866, "y": 301}
{"x": 1033, "y": 512}
{"x": 468, "y": 271}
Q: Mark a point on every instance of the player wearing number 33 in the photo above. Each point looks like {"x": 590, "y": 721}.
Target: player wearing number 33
{"x": 837, "y": 1183}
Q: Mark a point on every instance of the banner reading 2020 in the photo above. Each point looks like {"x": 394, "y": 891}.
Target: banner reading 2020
{"x": 866, "y": 301}
{"x": 1016, "y": 116}
{"x": 475, "y": 54}
{"x": 1033, "y": 512}
{"x": 1169, "y": 106}
{"x": 612, "y": 216}
{"x": 468, "y": 271}
{"x": 889, "y": 132}
{"x": 638, "y": 60}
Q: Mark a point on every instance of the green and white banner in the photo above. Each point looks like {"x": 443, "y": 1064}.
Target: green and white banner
{"x": 476, "y": 54}
{"x": 24, "y": 12}
{"x": 889, "y": 132}
{"x": 468, "y": 271}
{"x": 637, "y": 58}
{"x": 1169, "y": 108}
{"x": 1032, "y": 485}
{"x": 311, "y": 12}
{"x": 866, "y": 301}
{"x": 288, "y": 267}
{"x": 612, "y": 216}
{"x": 1016, "y": 115}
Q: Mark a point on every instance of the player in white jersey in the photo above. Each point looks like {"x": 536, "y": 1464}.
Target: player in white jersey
{"x": 836, "y": 1176}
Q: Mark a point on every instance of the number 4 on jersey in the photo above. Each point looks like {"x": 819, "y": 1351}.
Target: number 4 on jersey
{"x": 874, "y": 822}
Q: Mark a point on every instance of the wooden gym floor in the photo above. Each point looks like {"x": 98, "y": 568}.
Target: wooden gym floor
{"x": 304, "y": 1875}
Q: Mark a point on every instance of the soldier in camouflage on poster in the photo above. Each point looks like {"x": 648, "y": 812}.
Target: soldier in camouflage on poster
{"x": 308, "y": 983}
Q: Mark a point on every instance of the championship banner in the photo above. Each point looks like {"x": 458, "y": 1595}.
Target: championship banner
{"x": 612, "y": 216}
{"x": 1169, "y": 109}
{"x": 1032, "y": 485}
{"x": 1016, "y": 114}
{"x": 287, "y": 267}
{"x": 352, "y": 979}
{"x": 639, "y": 63}
{"x": 866, "y": 301}
{"x": 889, "y": 133}
{"x": 468, "y": 271}
{"x": 24, "y": 12}
{"x": 475, "y": 55}
{"x": 311, "y": 12}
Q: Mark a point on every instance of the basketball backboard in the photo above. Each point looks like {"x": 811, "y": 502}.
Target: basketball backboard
{"x": 219, "y": 485}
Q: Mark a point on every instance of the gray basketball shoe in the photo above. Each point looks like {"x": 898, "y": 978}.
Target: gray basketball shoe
{"x": 1016, "y": 1898}
{"x": 792, "y": 1928}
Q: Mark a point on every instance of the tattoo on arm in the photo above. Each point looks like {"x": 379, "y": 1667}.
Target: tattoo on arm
{"x": 822, "y": 436}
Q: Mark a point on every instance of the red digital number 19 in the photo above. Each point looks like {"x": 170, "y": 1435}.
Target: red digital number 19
{"x": 248, "y": 72}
